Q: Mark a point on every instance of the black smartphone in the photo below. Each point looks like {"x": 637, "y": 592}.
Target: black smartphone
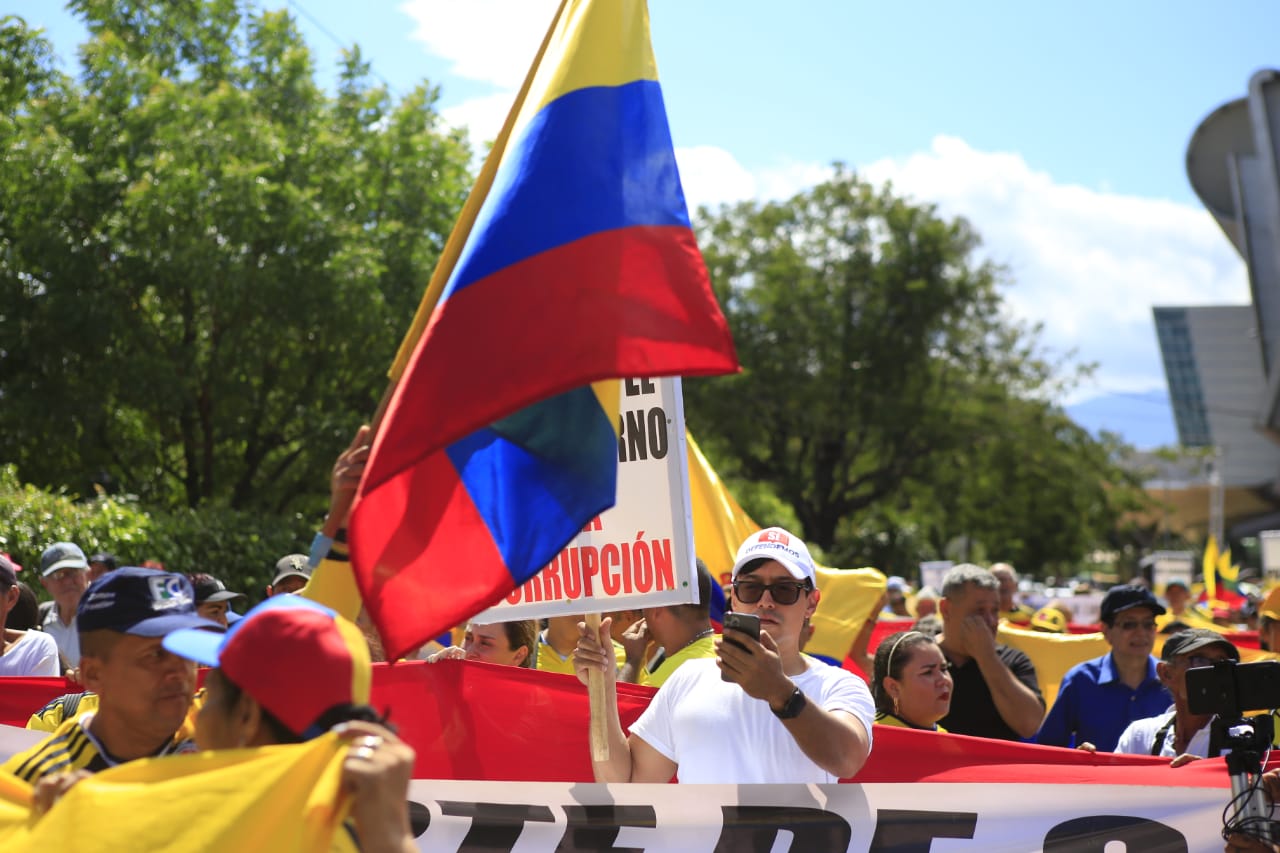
{"x": 747, "y": 623}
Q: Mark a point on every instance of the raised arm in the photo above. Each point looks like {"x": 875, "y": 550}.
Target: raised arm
{"x": 835, "y": 740}
{"x": 332, "y": 583}
{"x": 630, "y": 759}
{"x": 1018, "y": 704}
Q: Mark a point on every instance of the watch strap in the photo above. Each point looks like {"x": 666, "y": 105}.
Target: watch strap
{"x": 792, "y": 707}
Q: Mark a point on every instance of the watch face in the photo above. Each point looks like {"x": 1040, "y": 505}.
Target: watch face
{"x": 793, "y": 706}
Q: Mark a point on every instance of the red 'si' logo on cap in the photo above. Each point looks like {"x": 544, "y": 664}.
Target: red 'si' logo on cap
{"x": 774, "y": 536}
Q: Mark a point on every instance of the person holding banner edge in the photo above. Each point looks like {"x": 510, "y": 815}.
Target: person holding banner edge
{"x": 683, "y": 632}
{"x": 761, "y": 712}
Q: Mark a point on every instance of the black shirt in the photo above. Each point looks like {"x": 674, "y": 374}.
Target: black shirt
{"x": 973, "y": 711}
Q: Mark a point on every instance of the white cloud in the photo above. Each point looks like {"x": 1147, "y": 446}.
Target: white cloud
{"x": 1088, "y": 264}
{"x": 490, "y": 41}
{"x": 482, "y": 117}
{"x": 712, "y": 176}
{"x": 486, "y": 41}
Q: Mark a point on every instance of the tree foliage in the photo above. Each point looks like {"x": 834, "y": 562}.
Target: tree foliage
{"x": 884, "y": 395}
{"x": 206, "y": 261}
{"x": 233, "y": 545}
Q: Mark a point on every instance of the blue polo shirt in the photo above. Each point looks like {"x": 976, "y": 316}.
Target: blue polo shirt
{"x": 1094, "y": 705}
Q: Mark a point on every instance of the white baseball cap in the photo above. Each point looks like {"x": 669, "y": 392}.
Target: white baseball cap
{"x": 787, "y": 549}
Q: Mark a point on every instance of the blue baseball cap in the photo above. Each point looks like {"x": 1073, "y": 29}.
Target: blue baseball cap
{"x": 1120, "y": 598}
{"x": 142, "y": 602}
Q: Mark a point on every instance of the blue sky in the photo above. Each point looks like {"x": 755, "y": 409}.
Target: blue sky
{"x": 1058, "y": 129}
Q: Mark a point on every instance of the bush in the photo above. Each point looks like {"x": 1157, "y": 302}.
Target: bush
{"x": 240, "y": 548}
{"x": 32, "y": 519}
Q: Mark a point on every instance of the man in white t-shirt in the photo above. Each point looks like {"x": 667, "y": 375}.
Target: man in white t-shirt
{"x": 760, "y": 712}
{"x": 64, "y": 572}
{"x": 1178, "y": 731}
{"x": 28, "y": 653}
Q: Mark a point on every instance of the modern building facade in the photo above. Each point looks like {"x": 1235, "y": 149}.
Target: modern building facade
{"x": 1222, "y": 363}
{"x": 1213, "y": 365}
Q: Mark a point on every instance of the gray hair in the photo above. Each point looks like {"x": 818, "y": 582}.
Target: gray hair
{"x": 1002, "y": 569}
{"x": 963, "y": 575}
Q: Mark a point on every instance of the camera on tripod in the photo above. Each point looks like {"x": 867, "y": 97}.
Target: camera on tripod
{"x": 1231, "y": 689}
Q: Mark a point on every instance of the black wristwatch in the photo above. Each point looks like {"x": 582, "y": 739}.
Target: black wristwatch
{"x": 792, "y": 707}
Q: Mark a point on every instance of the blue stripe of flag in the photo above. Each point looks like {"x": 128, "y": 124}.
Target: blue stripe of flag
{"x": 593, "y": 160}
{"x": 538, "y": 475}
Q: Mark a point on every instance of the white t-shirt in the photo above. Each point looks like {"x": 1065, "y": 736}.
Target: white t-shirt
{"x": 35, "y": 654}
{"x": 66, "y": 636}
{"x": 716, "y": 733}
{"x": 1141, "y": 734}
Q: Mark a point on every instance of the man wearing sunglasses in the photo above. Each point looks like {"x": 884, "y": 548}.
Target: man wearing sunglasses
{"x": 995, "y": 692}
{"x": 1099, "y": 698}
{"x": 760, "y": 712}
{"x": 1178, "y": 731}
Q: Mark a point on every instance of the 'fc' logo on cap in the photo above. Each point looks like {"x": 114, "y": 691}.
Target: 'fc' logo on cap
{"x": 774, "y": 536}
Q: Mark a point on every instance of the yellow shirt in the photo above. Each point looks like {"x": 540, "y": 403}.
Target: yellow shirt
{"x": 73, "y": 747}
{"x": 54, "y": 714}
{"x": 1190, "y": 618}
{"x": 549, "y": 660}
{"x": 886, "y": 719}
{"x": 703, "y": 647}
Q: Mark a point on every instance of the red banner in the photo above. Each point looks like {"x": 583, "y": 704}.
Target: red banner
{"x": 470, "y": 720}
{"x": 22, "y": 697}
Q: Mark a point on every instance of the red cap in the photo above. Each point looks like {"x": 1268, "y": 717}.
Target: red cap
{"x": 296, "y": 658}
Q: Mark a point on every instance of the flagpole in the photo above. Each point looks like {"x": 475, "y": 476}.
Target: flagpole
{"x": 458, "y": 236}
{"x": 596, "y": 699}
{"x": 467, "y": 218}
{"x": 431, "y": 298}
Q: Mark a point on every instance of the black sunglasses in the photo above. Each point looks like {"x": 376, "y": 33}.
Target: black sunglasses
{"x": 783, "y": 592}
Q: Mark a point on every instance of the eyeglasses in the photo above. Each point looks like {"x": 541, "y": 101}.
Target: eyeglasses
{"x": 783, "y": 592}
{"x": 1197, "y": 661}
{"x": 1146, "y": 625}
{"x": 64, "y": 575}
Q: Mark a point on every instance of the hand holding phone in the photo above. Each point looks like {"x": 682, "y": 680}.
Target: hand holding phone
{"x": 747, "y": 623}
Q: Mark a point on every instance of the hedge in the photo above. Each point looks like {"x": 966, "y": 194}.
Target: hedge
{"x": 240, "y": 548}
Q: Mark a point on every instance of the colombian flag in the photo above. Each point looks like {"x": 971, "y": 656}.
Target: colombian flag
{"x": 1221, "y": 578}
{"x": 573, "y": 262}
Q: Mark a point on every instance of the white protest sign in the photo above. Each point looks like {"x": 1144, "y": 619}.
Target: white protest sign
{"x": 932, "y": 573}
{"x": 526, "y": 817}
{"x": 640, "y": 552}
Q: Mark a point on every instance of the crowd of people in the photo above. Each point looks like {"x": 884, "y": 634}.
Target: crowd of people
{"x": 1127, "y": 700}
{"x": 731, "y": 707}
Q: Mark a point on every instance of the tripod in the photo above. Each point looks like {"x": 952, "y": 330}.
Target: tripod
{"x": 1249, "y": 740}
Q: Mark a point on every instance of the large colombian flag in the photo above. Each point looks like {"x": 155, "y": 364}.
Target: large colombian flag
{"x": 573, "y": 261}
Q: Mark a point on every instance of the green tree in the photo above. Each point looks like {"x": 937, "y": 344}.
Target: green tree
{"x": 884, "y": 396}
{"x": 206, "y": 262}
{"x": 1033, "y": 488}
{"x": 233, "y": 545}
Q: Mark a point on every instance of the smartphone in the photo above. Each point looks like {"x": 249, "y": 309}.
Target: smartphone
{"x": 747, "y": 623}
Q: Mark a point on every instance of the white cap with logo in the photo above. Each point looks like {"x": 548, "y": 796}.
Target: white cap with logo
{"x": 787, "y": 549}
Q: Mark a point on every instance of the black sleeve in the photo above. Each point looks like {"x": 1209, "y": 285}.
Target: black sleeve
{"x": 1023, "y": 670}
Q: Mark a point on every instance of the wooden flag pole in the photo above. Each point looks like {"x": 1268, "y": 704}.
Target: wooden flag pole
{"x": 596, "y": 698}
